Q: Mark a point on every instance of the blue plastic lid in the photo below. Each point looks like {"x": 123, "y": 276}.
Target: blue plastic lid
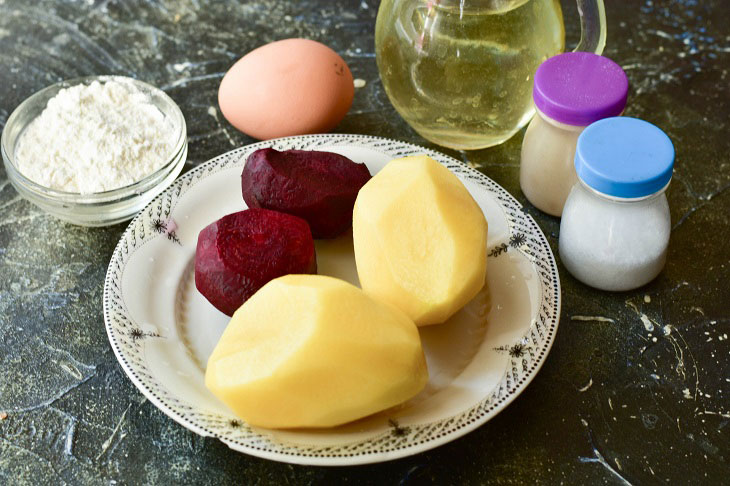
{"x": 624, "y": 157}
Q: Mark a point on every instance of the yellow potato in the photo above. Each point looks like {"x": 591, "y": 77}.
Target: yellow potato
{"x": 315, "y": 351}
{"x": 420, "y": 239}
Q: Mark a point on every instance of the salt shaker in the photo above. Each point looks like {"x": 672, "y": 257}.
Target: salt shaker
{"x": 615, "y": 227}
{"x": 571, "y": 91}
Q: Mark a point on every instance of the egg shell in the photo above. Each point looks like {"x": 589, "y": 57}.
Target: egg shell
{"x": 288, "y": 87}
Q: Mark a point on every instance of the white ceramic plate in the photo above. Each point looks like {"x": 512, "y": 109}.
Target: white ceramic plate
{"x": 162, "y": 330}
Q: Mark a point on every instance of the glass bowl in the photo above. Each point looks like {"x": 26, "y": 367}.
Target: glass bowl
{"x": 100, "y": 208}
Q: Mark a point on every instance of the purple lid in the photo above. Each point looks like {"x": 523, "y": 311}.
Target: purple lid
{"x": 578, "y": 88}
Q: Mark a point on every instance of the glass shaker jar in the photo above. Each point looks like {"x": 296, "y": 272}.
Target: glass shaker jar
{"x": 571, "y": 91}
{"x": 615, "y": 228}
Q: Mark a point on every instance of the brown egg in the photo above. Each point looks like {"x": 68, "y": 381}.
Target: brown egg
{"x": 288, "y": 87}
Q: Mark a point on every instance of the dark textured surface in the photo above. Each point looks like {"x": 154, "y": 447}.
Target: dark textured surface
{"x": 616, "y": 401}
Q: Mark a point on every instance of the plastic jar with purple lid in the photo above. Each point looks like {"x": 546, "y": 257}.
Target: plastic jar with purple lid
{"x": 571, "y": 91}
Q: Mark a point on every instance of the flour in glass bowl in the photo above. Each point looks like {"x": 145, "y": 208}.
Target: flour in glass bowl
{"x": 95, "y": 138}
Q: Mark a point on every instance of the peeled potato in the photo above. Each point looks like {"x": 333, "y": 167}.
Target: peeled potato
{"x": 420, "y": 239}
{"x": 315, "y": 351}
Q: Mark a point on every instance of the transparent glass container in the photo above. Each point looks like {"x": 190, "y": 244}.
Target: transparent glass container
{"x": 101, "y": 208}
{"x": 613, "y": 243}
{"x": 460, "y": 72}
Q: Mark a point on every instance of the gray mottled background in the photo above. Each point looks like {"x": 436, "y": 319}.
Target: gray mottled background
{"x": 635, "y": 388}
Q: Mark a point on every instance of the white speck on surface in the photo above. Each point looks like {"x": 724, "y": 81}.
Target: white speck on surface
{"x": 359, "y": 83}
{"x": 660, "y": 33}
{"x": 687, "y": 394}
{"x": 648, "y": 325}
{"x": 587, "y": 386}
{"x": 213, "y": 112}
{"x": 181, "y": 66}
{"x": 647, "y": 299}
{"x": 667, "y": 329}
{"x": 60, "y": 39}
{"x": 170, "y": 226}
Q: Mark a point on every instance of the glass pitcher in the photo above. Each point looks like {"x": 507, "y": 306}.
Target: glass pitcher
{"x": 460, "y": 71}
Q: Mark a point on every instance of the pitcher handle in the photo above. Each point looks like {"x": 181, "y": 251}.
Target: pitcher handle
{"x": 592, "y": 26}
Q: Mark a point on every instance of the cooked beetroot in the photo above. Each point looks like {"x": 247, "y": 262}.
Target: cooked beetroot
{"x": 319, "y": 187}
{"x": 240, "y": 252}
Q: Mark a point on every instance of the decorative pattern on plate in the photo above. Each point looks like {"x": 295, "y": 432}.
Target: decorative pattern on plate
{"x": 397, "y": 440}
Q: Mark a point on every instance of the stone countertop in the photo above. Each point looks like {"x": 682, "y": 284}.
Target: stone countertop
{"x": 635, "y": 390}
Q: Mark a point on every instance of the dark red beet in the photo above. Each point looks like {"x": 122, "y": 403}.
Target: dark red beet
{"x": 240, "y": 252}
{"x": 319, "y": 187}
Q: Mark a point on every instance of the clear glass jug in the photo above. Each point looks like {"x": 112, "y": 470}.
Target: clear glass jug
{"x": 460, "y": 71}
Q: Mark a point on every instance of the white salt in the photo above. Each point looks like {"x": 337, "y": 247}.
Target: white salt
{"x": 611, "y": 244}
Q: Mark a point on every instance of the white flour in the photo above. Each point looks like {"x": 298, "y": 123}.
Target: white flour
{"x": 95, "y": 138}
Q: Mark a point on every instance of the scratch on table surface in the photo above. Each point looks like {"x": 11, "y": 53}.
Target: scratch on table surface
{"x": 705, "y": 200}
{"x": 710, "y": 412}
{"x": 598, "y": 457}
{"x": 182, "y": 82}
{"x": 13, "y": 445}
{"x": 108, "y": 442}
{"x": 69, "y": 442}
{"x": 86, "y": 44}
{"x": 22, "y": 219}
{"x": 694, "y": 363}
{"x": 10, "y": 202}
{"x": 214, "y": 113}
{"x": 679, "y": 355}
{"x": 71, "y": 370}
{"x": 61, "y": 393}
{"x": 591, "y": 318}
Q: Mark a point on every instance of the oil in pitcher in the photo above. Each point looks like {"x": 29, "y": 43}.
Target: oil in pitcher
{"x": 460, "y": 72}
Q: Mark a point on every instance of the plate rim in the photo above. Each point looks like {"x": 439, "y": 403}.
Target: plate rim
{"x": 499, "y": 403}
